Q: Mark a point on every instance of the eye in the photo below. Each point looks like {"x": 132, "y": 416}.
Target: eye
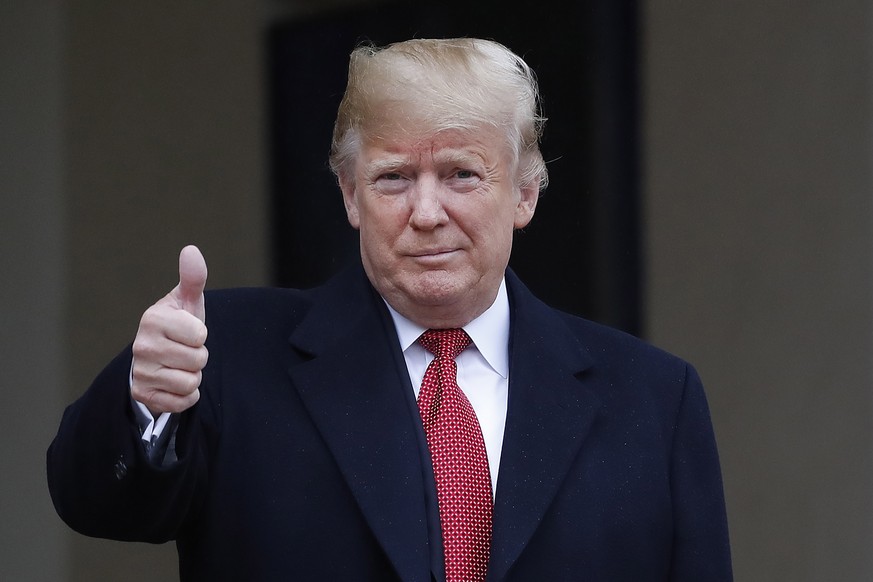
{"x": 464, "y": 180}
{"x": 391, "y": 183}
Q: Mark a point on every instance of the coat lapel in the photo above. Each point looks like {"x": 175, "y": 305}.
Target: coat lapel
{"x": 353, "y": 381}
{"x": 353, "y": 388}
{"x": 550, "y": 412}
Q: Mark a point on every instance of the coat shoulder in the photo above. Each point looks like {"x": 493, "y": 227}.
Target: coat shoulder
{"x": 625, "y": 353}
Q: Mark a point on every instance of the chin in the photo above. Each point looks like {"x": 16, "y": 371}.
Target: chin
{"x": 437, "y": 295}
{"x": 437, "y": 301}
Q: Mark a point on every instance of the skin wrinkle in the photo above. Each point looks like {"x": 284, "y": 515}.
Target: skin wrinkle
{"x": 455, "y": 160}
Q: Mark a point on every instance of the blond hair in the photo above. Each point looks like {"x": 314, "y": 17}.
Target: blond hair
{"x": 439, "y": 85}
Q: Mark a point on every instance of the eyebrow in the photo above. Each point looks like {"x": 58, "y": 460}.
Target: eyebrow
{"x": 385, "y": 164}
{"x": 390, "y": 162}
{"x": 459, "y": 157}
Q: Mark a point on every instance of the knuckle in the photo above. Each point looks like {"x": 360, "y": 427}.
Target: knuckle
{"x": 143, "y": 368}
{"x": 191, "y": 383}
{"x": 147, "y": 318}
{"x": 198, "y": 378}
{"x": 172, "y": 406}
{"x": 201, "y": 358}
{"x": 176, "y": 406}
{"x": 200, "y": 334}
{"x": 183, "y": 403}
{"x": 136, "y": 375}
{"x": 140, "y": 380}
{"x": 140, "y": 345}
{"x": 137, "y": 393}
{"x": 151, "y": 317}
{"x": 152, "y": 401}
{"x": 142, "y": 350}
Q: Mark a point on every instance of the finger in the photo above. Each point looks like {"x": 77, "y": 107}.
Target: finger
{"x": 163, "y": 322}
{"x": 169, "y": 355}
{"x": 186, "y": 329}
{"x": 159, "y": 402}
{"x": 186, "y": 358}
{"x": 192, "y": 281}
{"x": 176, "y": 382}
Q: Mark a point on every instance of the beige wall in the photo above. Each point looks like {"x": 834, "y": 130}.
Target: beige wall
{"x": 130, "y": 131}
{"x": 165, "y": 146}
{"x": 758, "y": 180}
{"x": 33, "y": 280}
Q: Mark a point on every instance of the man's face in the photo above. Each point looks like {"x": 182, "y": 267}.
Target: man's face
{"x": 436, "y": 216}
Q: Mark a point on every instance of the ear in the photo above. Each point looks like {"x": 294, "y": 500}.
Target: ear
{"x": 527, "y": 203}
{"x": 347, "y": 185}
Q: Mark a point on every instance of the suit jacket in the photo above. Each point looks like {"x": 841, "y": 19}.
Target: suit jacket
{"x": 304, "y": 458}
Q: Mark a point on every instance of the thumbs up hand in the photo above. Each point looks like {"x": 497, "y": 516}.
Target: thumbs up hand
{"x": 169, "y": 352}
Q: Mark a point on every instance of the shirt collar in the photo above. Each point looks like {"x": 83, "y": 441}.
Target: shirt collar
{"x": 489, "y": 331}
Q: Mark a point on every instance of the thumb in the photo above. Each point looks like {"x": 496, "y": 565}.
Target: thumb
{"x": 192, "y": 281}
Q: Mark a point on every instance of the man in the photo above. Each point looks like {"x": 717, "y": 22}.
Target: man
{"x": 421, "y": 416}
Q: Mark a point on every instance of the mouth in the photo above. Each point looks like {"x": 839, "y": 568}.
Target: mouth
{"x": 433, "y": 255}
{"x": 431, "y": 252}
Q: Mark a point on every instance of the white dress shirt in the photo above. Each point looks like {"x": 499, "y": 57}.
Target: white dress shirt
{"x": 483, "y": 369}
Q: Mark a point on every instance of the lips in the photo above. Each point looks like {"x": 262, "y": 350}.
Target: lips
{"x": 433, "y": 257}
{"x": 431, "y": 253}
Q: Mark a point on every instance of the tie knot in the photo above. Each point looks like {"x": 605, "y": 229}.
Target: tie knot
{"x": 445, "y": 343}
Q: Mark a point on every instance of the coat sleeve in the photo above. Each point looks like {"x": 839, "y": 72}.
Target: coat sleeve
{"x": 701, "y": 549}
{"x": 100, "y": 479}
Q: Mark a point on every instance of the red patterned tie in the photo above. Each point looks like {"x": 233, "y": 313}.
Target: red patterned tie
{"x": 460, "y": 463}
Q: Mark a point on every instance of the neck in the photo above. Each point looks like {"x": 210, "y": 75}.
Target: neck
{"x": 441, "y": 316}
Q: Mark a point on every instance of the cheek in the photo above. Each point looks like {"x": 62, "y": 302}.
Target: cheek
{"x": 493, "y": 232}
{"x": 380, "y": 224}
{"x": 490, "y": 238}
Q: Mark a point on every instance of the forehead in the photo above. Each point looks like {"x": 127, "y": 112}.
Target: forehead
{"x": 482, "y": 144}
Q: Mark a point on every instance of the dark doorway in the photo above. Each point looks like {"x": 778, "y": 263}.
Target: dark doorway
{"x": 581, "y": 252}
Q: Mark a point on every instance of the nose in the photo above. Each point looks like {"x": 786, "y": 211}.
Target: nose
{"x": 427, "y": 207}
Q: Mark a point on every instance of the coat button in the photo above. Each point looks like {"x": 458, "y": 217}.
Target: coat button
{"x": 120, "y": 468}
